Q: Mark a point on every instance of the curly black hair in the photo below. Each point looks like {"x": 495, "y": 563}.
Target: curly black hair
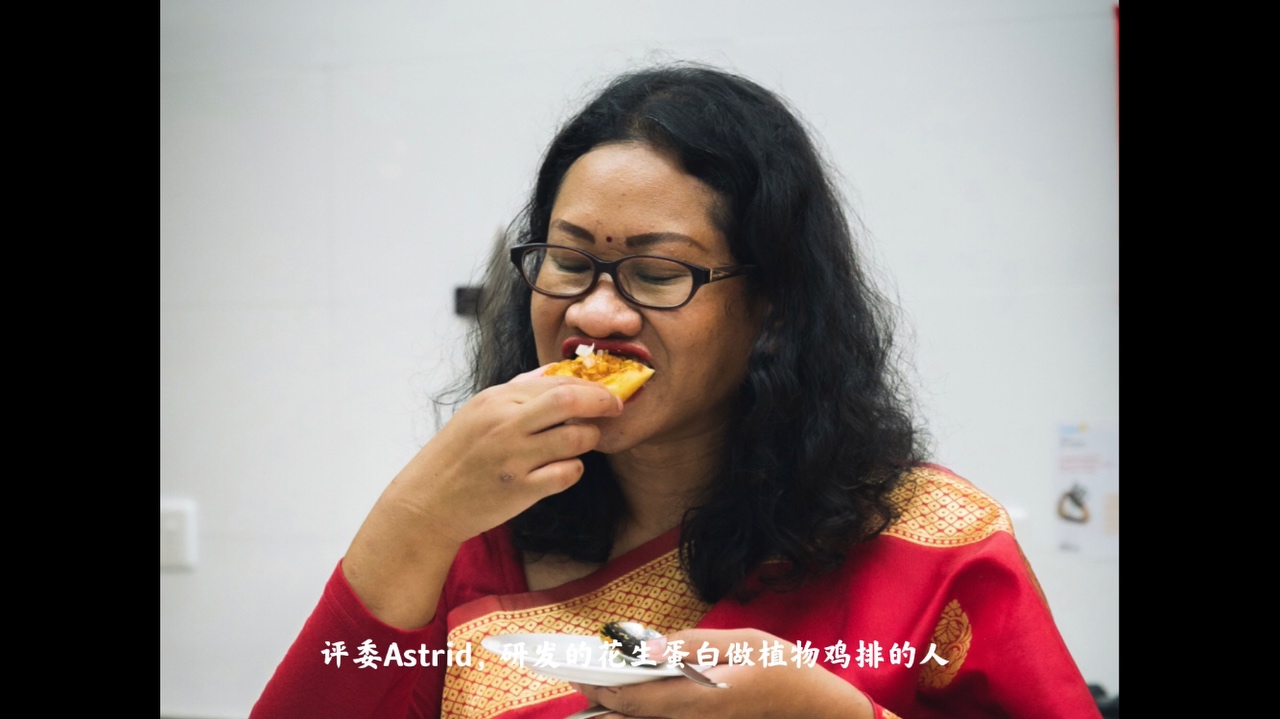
{"x": 825, "y": 428}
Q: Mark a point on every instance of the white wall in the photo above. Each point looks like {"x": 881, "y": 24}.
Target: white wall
{"x": 331, "y": 170}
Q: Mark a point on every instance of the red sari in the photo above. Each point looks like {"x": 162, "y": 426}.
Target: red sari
{"x": 948, "y": 575}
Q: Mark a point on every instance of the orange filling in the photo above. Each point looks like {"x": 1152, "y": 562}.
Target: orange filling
{"x": 619, "y": 375}
{"x": 604, "y": 364}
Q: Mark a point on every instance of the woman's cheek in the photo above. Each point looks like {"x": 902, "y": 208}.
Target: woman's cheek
{"x": 546, "y": 318}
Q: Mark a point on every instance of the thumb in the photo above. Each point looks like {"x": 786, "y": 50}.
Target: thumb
{"x": 717, "y": 641}
{"x": 531, "y": 374}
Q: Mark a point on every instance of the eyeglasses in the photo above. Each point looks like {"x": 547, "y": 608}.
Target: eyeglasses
{"x": 658, "y": 283}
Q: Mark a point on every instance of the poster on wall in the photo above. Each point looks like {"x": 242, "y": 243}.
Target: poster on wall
{"x": 1087, "y": 488}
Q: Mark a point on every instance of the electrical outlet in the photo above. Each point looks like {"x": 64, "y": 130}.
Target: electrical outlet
{"x": 177, "y": 534}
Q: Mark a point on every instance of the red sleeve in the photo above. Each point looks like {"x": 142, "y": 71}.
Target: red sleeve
{"x": 948, "y": 575}
{"x": 404, "y": 682}
{"x": 1009, "y": 651}
{"x": 344, "y": 684}
{"x": 988, "y": 621}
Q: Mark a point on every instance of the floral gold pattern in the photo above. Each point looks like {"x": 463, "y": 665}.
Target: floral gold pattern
{"x": 656, "y": 594}
{"x": 953, "y": 635}
{"x": 939, "y": 509}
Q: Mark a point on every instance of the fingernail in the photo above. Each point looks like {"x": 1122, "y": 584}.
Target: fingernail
{"x": 658, "y": 646}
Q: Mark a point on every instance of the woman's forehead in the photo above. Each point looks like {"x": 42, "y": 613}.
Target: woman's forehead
{"x": 632, "y": 196}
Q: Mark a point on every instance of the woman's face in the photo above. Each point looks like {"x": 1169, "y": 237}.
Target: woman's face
{"x": 627, "y": 199}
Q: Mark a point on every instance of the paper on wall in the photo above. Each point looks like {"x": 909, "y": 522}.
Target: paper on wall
{"x": 1087, "y": 488}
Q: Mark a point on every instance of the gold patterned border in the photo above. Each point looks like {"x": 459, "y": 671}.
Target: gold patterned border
{"x": 1035, "y": 583}
{"x": 939, "y": 509}
{"x": 656, "y": 594}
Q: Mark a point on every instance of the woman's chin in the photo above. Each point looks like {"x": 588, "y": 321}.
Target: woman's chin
{"x": 625, "y": 431}
{"x": 615, "y": 435}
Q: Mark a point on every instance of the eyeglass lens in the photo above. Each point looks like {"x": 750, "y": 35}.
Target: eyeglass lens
{"x": 647, "y": 280}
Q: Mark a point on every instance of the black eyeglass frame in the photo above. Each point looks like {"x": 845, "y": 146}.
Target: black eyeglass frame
{"x": 701, "y": 275}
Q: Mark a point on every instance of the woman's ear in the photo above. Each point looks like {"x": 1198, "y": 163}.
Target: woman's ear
{"x": 769, "y": 341}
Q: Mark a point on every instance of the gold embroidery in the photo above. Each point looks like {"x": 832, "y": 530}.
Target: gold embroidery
{"x": 952, "y": 637}
{"x": 941, "y": 510}
{"x": 1034, "y": 582}
{"x": 888, "y": 714}
{"x": 656, "y": 594}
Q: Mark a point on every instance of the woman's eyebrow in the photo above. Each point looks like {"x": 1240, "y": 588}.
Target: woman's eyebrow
{"x": 644, "y": 240}
{"x": 653, "y": 238}
{"x": 573, "y": 230}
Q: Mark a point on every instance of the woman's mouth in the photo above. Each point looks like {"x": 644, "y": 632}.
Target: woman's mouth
{"x": 617, "y": 348}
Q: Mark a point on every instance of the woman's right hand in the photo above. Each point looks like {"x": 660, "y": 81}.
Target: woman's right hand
{"x": 505, "y": 449}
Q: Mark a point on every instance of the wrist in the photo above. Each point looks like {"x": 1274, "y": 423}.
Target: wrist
{"x": 397, "y": 568}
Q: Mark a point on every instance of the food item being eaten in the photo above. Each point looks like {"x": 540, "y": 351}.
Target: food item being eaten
{"x": 621, "y": 376}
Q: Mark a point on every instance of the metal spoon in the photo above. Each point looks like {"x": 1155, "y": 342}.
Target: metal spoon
{"x": 629, "y": 635}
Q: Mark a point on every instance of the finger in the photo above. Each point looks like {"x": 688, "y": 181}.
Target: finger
{"x": 562, "y": 442}
{"x": 591, "y": 693}
{"x": 535, "y": 382}
{"x": 568, "y": 400}
{"x": 531, "y": 374}
{"x": 657, "y": 647}
{"x": 555, "y": 477}
{"x": 717, "y": 639}
{"x": 664, "y": 698}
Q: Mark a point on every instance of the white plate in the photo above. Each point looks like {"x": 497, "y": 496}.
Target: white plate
{"x": 586, "y": 667}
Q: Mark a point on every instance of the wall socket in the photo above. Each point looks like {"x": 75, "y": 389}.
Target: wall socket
{"x": 178, "y": 534}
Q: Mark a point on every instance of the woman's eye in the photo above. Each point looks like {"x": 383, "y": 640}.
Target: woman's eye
{"x": 653, "y": 272}
{"x": 658, "y": 278}
{"x": 571, "y": 266}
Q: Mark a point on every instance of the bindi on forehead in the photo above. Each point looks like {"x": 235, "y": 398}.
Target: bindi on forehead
{"x": 607, "y": 238}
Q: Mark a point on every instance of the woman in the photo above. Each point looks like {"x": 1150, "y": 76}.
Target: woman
{"x": 761, "y": 497}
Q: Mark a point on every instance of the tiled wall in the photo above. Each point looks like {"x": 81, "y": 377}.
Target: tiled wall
{"x": 331, "y": 170}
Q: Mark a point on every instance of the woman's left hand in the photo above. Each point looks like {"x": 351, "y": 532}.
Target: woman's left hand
{"x": 757, "y": 690}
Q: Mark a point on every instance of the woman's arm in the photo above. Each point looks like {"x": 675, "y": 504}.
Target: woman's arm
{"x": 340, "y": 665}
{"x": 504, "y": 450}
{"x": 508, "y": 447}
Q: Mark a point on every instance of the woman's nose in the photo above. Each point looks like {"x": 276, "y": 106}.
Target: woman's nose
{"x": 603, "y": 312}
